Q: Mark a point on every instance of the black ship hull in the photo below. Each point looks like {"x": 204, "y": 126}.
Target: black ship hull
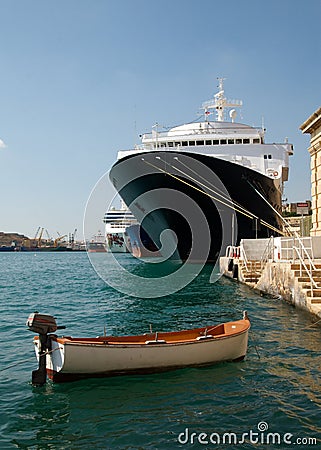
{"x": 206, "y": 202}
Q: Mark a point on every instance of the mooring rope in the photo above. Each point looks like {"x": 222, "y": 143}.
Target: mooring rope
{"x": 216, "y": 192}
{"x": 212, "y": 188}
{"x": 194, "y": 187}
{"x": 230, "y": 199}
{"x": 285, "y": 222}
{"x": 247, "y": 213}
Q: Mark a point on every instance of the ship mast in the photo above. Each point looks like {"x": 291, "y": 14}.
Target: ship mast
{"x": 220, "y": 103}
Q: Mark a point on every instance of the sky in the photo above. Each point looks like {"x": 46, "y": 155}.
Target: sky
{"x": 81, "y": 79}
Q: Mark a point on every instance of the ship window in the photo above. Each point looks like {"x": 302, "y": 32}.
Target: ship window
{"x": 191, "y": 142}
{"x": 216, "y": 142}
{"x": 177, "y": 144}
{"x": 223, "y": 141}
{"x": 170, "y": 144}
{"x": 256, "y": 141}
{"x": 265, "y": 156}
{"x": 238, "y": 141}
{"x": 270, "y": 156}
{"x": 199, "y": 142}
{"x": 246, "y": 141}
{"x": 184, "y": 143}
{"x": 208, "y": 142}
{"x": 230, "y": 141}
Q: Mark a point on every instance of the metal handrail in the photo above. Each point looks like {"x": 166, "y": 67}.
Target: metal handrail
{"x": 309, "y": 272}
{"x": 244, "y": 258}
{"x": 266, "y": 255}
{"x": 232, "y": 251}
{"x": 302, "y": 249}
{"x": 306, "y": 253}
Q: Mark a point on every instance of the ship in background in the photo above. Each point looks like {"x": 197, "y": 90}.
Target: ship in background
{"x": 232, "y": 178}
{"x": 116, "y": 221}
{"x": 97, "y": 243}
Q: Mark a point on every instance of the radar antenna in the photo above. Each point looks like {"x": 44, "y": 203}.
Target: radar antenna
{"x": 220, "y": 103}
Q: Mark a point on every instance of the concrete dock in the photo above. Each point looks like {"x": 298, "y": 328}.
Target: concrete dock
{"x": 286, "y": 267}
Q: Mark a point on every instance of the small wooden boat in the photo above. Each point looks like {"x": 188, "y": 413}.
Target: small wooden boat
{"x": 67, "y": 358}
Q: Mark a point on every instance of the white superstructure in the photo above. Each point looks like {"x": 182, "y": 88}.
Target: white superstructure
{"x": 234, "y": 142}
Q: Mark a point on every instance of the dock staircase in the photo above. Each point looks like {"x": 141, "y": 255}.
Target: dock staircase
{"x": 298, "y": 263}
{"x": 250, "y": 271}
{"x": 309, "y": 281}
{"x": 306, "y": 270}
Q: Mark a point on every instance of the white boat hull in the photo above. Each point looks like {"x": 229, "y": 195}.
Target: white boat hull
{"x": 72, "y": 358}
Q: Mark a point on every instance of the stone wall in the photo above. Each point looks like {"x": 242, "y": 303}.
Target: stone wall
{"x": 278, "y": 279}
{"x": 313, "y": 126}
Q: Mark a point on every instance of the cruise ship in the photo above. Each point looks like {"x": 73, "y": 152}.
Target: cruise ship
{"x": 116, "y": 221}
{"x": 200, "y": 186}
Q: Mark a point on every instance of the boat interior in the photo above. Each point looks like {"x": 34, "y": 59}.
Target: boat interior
{"x": 197, "y": 334}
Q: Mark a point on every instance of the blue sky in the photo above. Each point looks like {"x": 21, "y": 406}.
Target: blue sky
{"x": 80, "y": 80}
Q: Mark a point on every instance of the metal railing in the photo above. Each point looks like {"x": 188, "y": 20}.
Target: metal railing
{"x": 268, "y": 252}
{"x": 300, "y": 252}
{"x": 243, "y": 257}
{"x": 296, "y": 251}
{"x": 287, "y": 251}
{"x": 232, "y": 251}
{"x": 308, "y": 270}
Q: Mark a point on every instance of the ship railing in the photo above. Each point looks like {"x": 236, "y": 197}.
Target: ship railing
{"x": 120, "y": 224}
{"x": 243, "y": 132}
{"x": 129, "y": 151}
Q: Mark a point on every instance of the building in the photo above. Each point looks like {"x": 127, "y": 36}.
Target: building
{"x": 297, "y": 209}
{"x": 313, "y": 126}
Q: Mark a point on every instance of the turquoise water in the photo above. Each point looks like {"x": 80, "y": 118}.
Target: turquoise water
{"x": 277, "y": 386}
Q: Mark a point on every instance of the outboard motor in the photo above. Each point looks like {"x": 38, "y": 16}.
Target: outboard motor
{"x": 42, "y": 324}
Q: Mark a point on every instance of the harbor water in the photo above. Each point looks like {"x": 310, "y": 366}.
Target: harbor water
{"x": 276, "y": 389}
